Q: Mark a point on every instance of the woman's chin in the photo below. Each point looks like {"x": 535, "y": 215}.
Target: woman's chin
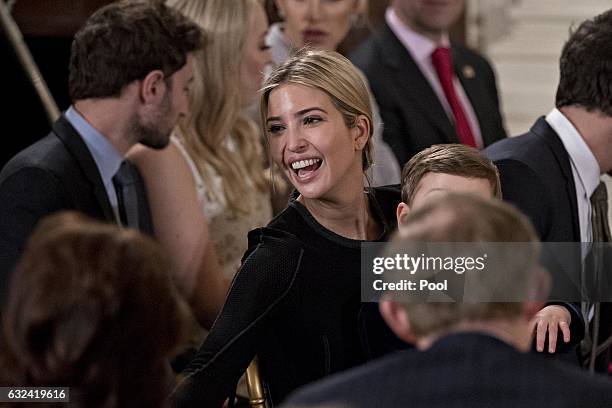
{"x": 310, "y": 192}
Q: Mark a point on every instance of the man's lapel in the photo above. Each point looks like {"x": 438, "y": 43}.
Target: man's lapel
{"x": 414, "y": 84}
{"x": 472, "y": 85}
{"x": 543, "y": 129}
{"x": 76, "y": 146}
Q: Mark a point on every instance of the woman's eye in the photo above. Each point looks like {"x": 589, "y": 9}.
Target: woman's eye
{"x": 273, "y": 129}
{"x": 311, "y": 120}
{"x": 264, "y": 47}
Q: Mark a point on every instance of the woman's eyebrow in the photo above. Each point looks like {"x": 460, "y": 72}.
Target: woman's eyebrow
{"x": 297, "y": 114}
{"x": 305, "y": 111}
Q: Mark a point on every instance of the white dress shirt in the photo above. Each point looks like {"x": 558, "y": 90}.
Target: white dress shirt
{"x": 585, "y": 168}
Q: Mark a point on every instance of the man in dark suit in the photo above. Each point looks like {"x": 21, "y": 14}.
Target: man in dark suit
{"x": 553, "y": 171}
{"x": 468, "y": 354}
{"x": 429, "y": 91}
{"x": 130, "y": 69}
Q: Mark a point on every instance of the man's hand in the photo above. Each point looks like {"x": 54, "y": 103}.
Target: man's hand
{"x": 550, "y": 319}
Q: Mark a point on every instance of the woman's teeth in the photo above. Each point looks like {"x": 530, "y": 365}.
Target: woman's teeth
{"x": 304, "y": 163}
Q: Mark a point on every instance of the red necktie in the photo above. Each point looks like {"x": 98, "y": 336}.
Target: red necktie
{"x": 441, "y": 59}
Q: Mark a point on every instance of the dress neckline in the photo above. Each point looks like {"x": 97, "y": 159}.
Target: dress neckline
{"x": 376, "y": 212}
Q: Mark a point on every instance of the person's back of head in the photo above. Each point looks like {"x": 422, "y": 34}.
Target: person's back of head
{"x": 92, "y": 307}
{"x": 465, "y": 218}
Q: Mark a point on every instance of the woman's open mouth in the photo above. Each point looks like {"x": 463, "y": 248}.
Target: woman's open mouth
{"x": 304, "y": 170}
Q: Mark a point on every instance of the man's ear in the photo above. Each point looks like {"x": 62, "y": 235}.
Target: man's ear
{"x": 361, "y": 132}
{"x": 153, "y": 87}
{"x": 401, "y": 213}
{"x": 396, "y": 318}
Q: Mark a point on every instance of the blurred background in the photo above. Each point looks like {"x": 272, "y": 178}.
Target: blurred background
{"x": 522, "y": 38}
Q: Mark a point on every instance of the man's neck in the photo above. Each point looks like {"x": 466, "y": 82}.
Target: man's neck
{"x": 514, "y": 332}
{"x": 596, "y": 131}
{"x": 109, "y": 116}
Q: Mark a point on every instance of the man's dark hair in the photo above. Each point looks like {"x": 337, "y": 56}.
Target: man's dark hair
{"x": 586, "y": 66}
{"x": 123, "y": 42}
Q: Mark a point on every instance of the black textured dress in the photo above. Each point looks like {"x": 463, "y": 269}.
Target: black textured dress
{"x": 295, "y": 303}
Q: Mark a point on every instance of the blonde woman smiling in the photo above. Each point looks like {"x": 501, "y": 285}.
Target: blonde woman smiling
{"x": 296, "y": 300}
{"x": 323, "y": 25}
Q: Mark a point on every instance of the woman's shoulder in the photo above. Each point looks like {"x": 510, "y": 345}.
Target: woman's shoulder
{"x": 280, "y": 237}
{"x": 171, "y": 161}
{"x": 164, "y": 170}
{"x": 272, "y": 261}
{"x": 275, "y": 238}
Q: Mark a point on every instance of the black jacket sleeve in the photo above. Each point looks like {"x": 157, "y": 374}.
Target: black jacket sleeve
{"x": 259, "y": 288}
{"x": 533, "y": 199}
{"x": 26, "y": 196}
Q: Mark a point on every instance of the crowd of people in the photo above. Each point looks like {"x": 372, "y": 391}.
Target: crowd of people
{"x": 145, "y": 259}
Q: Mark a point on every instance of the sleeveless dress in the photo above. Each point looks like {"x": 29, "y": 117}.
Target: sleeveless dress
{"x": 228, "y": 231}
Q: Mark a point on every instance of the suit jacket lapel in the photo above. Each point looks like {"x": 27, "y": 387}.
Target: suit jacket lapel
{"x": 413, "y": 82}
{"x": 543, "y": 129}
{"x": 77, "y": 148}
{"x": 472, "y": 87}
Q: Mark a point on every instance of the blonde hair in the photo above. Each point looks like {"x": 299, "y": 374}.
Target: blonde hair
{"x": 216, "y": 109}
{"x": 330, "y": 72}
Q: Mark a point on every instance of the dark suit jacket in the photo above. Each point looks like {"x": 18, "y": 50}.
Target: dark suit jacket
{"x": 536, "y": 176}
{"x": 468, "y": 370}
{"x": 413, "y": 116}
{"x": 56, "y": 173}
